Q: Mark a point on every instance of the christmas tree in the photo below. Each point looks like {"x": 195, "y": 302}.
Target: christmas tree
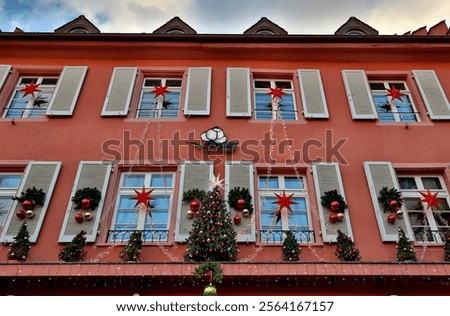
{"x": 132, "y": 250}
{"x": 74, "y": 250}
{"x": 405, "y": 252}
{"x": 291, "y": 249}
{"x": 20, "y": 247}
{"x": 447, "y": 248}
{"x": 212, "y": 237}
{"x": 346, "y": 250}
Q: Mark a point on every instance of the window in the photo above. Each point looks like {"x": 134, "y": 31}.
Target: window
{"x": 265, "y": 109}
{"x": 160, "y": 105}
{"x": 128, "y": 218}
{"x": 298, "y": 219}
{"x": 397, "y": 108}
{"x": 23, "y": 105}
{"x": 9, "y": 182}
{"x": 428, "y": 225}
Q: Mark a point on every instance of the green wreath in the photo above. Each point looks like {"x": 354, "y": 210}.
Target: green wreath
{"x": 93, "y": 194}
{"x": 240, "y": 193}
{"x": 331, "y": 196}
{"x": 194, "y": 194}
{"x": 36, "y": 196}
{"x": 387, "y": 195}
{"x": 212, "y": 266}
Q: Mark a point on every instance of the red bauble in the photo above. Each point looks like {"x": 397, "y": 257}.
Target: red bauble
{"x": 334, "y": 206}
{"x": 340, "y": 216}
{"x": 391, "y": 219}
{"x": 333, "y": 218}
{"x": 240, "y": 204}
{"x": 20, "y": 214}
{"x": 85, "y": 204}
{"x": 393, "y": 205}
{"x": 237, "y": 220}
{"x": 194, "y": 206}
{"x": 79, "y": 217}
{"x": 27, "y": 205}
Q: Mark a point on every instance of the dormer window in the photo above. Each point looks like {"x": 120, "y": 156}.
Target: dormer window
{"x": 355, "y": 32}
{"x": 78, "y": 30}
{"x": 265, "y": 32}
{"x": 175, "y": 31}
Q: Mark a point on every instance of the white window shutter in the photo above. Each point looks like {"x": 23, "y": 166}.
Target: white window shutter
{"x": 93, "y": 174}
{"x": 118, "y": 97}
{"x": 42, "y": 175}
{"x": 239, "y": 101}
{"x": 198, "y": 91}
{"x": 433, "y": 95}
{"x": 327, "y": 177}
{"x": 194, "y": 175}
{"x": 312, "y": 92}
{"x": 359, "y": 95}
{"x": 240, "y": 174}
{"x": 4, "y": 72}
{"x": 381, "y": 174}
{"x": 65, "y": 96}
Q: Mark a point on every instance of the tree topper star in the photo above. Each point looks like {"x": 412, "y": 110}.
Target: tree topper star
{"x": 30, "y": 89}
{"x": 276, "y": 92}
{"x": 142, "y": 197}
{"x": 394, "y": 93}
{"x": 284, "y": 201}
{"x": 215, "y": 182}
{"x": 160, "y": 90}
{"x": 431, "y": 199}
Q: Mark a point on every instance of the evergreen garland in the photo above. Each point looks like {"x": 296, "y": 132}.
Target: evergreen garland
{"x": 194, "y": 194}
{"x": 36, "y": 196}
{"x": 405, "y": 251}
{"x": 447, "y": 248}
{"x": 386, "y": 195}
{"x": 93, "y": 194}
{"x": 74, "y": 250}
{"x": 132, "y": 250}
{"x": 214, "y": 267}
{"x": 240, "y": 193}
{"x": 331, "y": 196}
{"x": 346, "y": 250}
{"x": 291, "y": 248}
{"x": 20, "y": 247}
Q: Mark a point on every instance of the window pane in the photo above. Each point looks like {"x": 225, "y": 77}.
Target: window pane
{"x": 49, "y": 81}
{"x": 9, "y": 181}
{"x": 377, "y": 86}
{"x": 301, "y": 204}
{"x": 431, "y": 183}
{"x": 283, "y": 84}
{"x": 262, "y": 84}
{"x": 268, "y": 183}
{"x": 5, "y": 205}
{"x": 293, "y": 183}
{"x": 267, "y": 203}
{"x": 287, "y": 107}
{"x": 413, "y": 204}
{"x": 384, "y": 108}
{"x": 152, "y": 82}
{"x": 404, "y": 107}
{"x": 407, "y": 183}
{"x": 298, "y": 221}
{"x": 397, "y": 85}
{"x": 173, "y": 82}
{"x": 160, "y": 202}
{"x": 133, "y": 180}
{"x": 161, "y": 181}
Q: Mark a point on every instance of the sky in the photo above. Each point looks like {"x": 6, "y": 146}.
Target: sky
{"x": 224, "y": 16}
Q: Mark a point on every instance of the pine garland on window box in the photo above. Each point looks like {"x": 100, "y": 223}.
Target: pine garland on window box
{"x": 346, "y": 250}
{"x": 391, "y": 199}
{"x": 132, "y": 250}
{"x": 36, "y": 196}
{"x": 333, "y": 196}
{"x": 237, "y": 194}
{"x": 291, "y": 248}
{"x": 93, "y": 194}
{"x": 75, "y": 250}
{"x": 20, "y": 247}
{"x": 194, "y": 194}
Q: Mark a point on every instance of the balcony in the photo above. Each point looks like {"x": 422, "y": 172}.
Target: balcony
{"x": 277, "y": 236}
{"x": 148, "y": 236}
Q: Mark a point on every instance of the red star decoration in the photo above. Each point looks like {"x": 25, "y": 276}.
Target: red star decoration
{"x": 160, "y": 90}
{"x": 142, "y": 197}
{"x": 30, "y": 89}
{"x": 431, "y": 199}
{"x": 276, "y": 92}
{"x": 284, "y": 201}
{"x": 394, "y": 93}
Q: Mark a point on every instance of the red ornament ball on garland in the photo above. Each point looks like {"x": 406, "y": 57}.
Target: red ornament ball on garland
{"x": 27, "y": 205}
{"x": 85, "y": 204}
{"x": 20, "y": 214}
{"x": 240, "y": 203}
{"x": 393, "y": 205}
{"x": 333, "y": 218}
{"x": 391, "y": 219}
{"x": 237, "y": 220}
{"x": 334, "y": 206}
{"x": 29, "y": 213}
{"x": 194, "y": 206}
{"x": 340, "y": 216}
{"x": 79, "y": 217}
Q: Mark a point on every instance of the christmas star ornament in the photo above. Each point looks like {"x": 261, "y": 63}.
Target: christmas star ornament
{"x": 160, "y": 90}
{"x": 142, "y": 197}
{"x": 394, "y": 93}
{"x": 284, "y": 202}
{"x": 30, "y": 89}
{"x": 276, "y": 92}
{"x": 215, "y": 182}
{"x": 431, "y": 199}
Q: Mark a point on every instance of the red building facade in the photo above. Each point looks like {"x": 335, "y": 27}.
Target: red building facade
{"x": 270, "y": 112}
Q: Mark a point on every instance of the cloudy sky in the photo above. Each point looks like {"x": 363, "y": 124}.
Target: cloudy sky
{"x": 224, "y": 16}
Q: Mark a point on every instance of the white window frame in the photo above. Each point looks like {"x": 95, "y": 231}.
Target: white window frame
{"x": 414, "y": 193}
{"x": 392, "y": 102}
{"x": 272, "y": 82}
{"x": 141, "y": 216}
{"x": 9, "y": 192}
{"x": 159, "y": 101}
{"x": 298, "y": 193}
{"x": 30, "y": 104}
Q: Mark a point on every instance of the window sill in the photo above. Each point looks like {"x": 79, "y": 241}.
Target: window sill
{"x": 404, "y": 124}
{"x": 144, "y": 244}
{"x": 24, "y": 119}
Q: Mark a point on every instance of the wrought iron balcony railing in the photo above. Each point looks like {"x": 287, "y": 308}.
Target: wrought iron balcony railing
{"x": 424, "y": 235}
{"x": 277, "y": 236}
{"x": 148, "y": 236}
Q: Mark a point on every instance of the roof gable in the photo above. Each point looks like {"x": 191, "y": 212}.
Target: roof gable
{"x": 265, "y": 27}
{"x": 79, "y": 25}
{"x": 175, "y": 26}
{"x": 354, "y": 26}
